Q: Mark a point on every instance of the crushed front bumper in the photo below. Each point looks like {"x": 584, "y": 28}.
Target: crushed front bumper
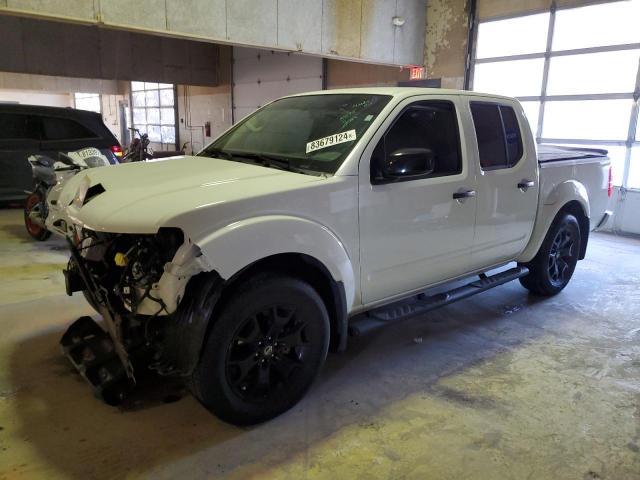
{"x": 92, "y": 352}
{"x": 98, "y": 355}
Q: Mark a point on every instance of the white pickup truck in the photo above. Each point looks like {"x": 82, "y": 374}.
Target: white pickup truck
{"x": 317, "y": 216}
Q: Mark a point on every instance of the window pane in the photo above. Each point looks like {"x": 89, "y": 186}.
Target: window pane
{"x": 153, "y": 115}
{"x": 137, "y": 86}
{"x": 634, "y": 168}
{"x": 91, "y": 104}
{"x": 532, "y": 112}
{"x": 151, "y": 98}
{"x": 88, "y": 101}
{"x": 515, "y": 79}
{"x": 167, "y": 116}
{"x": 168, "y": 134}
{"x": 17, "y": 127}
{"x": 606, "y": 72}
{"x": 150, "y": 86}
{"x": 139, "y": 116}
{"x": 489, "y": 134}
{"x": 154, "y": 133}
{"x": 587, "y": 119}
{"x": 431, "y": 125}
{"x": 166, "y": 98}
{"x": 513, "y": 36}
{"x": 612, "y": 23}
{"x": 512, "y": 134}
{"x": 138, "y": 99}
{"x": 165, "y": 85}
{"x": 638, "y": 125}
{"x": 54, "y": 128}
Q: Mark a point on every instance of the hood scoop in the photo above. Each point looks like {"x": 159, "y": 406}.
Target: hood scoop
{"x": 93, "y": 192}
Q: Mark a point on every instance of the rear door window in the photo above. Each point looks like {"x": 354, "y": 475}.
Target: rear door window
{"x": 16, "y": 126}
{"x": 498, "y": 135}
{"x": 56, "y": 128}
{"x": 511, "y": 134}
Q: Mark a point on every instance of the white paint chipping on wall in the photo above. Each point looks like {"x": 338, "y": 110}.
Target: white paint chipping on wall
{"x": 446, "y": 41}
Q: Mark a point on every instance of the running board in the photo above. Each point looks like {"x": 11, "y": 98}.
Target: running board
{"x": 422, "y": 303}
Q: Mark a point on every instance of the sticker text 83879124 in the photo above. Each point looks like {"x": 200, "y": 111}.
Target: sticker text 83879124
{"x": 334, "y": 139}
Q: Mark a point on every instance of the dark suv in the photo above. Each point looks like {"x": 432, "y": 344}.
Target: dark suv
{"x": 26, "y": 130}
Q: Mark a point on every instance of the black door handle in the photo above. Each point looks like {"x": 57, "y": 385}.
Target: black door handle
{"x": 464, "y": 194}
{"x": 524, "y": 184}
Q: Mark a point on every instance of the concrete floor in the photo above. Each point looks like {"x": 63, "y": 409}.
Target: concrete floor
{"x": 499, "y": 386}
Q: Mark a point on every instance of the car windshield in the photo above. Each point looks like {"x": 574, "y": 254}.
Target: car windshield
{"x": 308, "y": 134}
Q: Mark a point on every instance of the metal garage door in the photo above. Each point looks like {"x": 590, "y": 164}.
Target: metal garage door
{"x": 260, "y": 76}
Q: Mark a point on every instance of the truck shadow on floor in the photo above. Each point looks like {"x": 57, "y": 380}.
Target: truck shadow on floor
{"x": 162, "y": 429}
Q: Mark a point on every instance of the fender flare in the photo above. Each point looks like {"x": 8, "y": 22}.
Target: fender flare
{"x": 549, "y": 206}
{"x": 236, "y": 246}
{"x": 230, "y": 250}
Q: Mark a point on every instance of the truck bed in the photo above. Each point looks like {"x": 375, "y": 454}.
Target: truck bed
{"x": 587, "y": 166}
{"x": 555, "y": 153}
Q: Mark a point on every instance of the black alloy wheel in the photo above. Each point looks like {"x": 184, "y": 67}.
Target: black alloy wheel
{"x": 562, "y": 256}
{"x": 269, "y": 347}
{"x": 552, "y": 267}
{"x": 266, "y": 344}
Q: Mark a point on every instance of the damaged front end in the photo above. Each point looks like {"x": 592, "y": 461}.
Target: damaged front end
{"x": 136, "y": 283}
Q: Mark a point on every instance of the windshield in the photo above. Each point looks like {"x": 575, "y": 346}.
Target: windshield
{"x": 309, "y": 134}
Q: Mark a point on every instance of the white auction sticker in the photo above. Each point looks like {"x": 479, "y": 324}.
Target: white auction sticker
{"x": 334, "y": 139}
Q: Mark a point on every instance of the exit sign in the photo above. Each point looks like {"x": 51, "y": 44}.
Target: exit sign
{"x": 416, "y": 73}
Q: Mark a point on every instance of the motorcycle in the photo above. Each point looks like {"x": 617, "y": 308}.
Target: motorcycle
{"x": 140, "y": 150}
{"x": 41, "y": 209}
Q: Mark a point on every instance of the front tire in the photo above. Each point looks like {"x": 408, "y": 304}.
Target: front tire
{"x": 263, "y": 351}
{"x": 36, "y": 231}
{"x": 554, "y": 264}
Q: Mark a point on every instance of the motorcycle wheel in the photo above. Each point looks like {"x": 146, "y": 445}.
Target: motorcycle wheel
{"x": 36, "y": 231}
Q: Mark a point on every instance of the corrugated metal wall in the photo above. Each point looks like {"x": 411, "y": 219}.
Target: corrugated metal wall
{"x": 349, "y": 29}
{"x": 52, "y": 48}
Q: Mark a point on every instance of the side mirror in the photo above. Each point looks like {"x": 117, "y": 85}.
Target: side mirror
{"x": 409, "y": 162}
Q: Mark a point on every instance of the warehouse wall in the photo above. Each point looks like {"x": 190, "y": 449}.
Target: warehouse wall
{"x": 48, "y": 83}
{"x": 111, "y": 112}
{"x": 196, "y": 107}
{"x": 31, "y": 97}
{"x": 34, "y": 46}
{"x": 343, "y": 74}
{"x": 446, "y": 41}
{"x": 260, "y": 76}
{"x": 355, "y": 29}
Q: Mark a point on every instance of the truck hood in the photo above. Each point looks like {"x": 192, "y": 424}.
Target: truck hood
{"x": 142, "y": 197}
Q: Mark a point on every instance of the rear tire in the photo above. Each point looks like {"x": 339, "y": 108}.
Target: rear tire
{"x": 36, "y": 231}
{"x": 553, "y": 266}
{"x": 263, "y": 351}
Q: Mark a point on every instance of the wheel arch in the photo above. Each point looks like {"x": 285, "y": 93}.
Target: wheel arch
{"x": 550, "y": 214}
{"x": 310, "y": 270}
{"x": 206, "y": 294}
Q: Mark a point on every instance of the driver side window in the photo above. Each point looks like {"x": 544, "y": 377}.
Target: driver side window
{"x": 427, "y": 127}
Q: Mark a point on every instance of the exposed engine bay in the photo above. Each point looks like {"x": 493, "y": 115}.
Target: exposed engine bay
{"x": 125, "y": 268}
{"x": 136, "y": 283}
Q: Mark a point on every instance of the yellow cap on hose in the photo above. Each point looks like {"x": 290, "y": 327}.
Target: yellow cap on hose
{"x": 121, "y": 259}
